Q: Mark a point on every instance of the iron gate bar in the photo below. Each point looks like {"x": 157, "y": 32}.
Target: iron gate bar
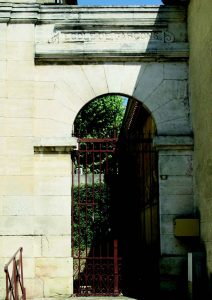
{"x": 97, "y": 140}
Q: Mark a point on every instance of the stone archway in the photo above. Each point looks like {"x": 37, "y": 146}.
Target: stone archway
{"x": 145, "y": 59}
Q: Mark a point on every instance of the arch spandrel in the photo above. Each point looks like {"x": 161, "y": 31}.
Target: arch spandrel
{"x": 166, "y": 99}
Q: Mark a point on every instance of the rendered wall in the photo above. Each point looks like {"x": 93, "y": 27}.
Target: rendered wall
{"x": 200, "y": 78}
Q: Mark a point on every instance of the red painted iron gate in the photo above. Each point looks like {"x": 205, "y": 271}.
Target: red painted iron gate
{"x": 94, "y": 242}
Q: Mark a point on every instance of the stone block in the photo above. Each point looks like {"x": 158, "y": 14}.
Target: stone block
{"x": 44, "y": 90}
{"x": 166, "y": 91}
{"x": 3, "y": 262}
{"x": 19, "y": 225}
{"x": 181, "y": 126}
{"x": 52, "y": 165}
{"x": 148, "y": 84}
{"x": 48, "y": 73}
{"x": 75, "y": 77}
{"x": 177, "y": 204}
{"x": 113, "y": 73}
{"x": 173, "y": 265}
{"x": 20, "y": 89}
{"x": 52, "y": 225}
{"x": 2, "y": 288}
{"x": 172, "y": 246}
{"x": 3, "y": 50}
{"x": 51, "y": 128}
{"x": 17, "y": 127}
{"x": 29, "y": 267}
{"x": 24, "y": 69}
{"x": 69, "y": 98}
{"x": 173, "y": 110}
{"x": 55, "y": 110}
{"x": 17, "y": 205}
{"x": 97, "y": 82}
{"x": 18, "y": 108}
{"x": 3, "y": 89}
{"x": 176, "y": 70}
{"x": 3, "y": 31}
{"x": 2, "y": 70}
{"x": 52, "y": 205}
{"x": 53, "y": 267}
{"x": 52, "y": 185}
{"x": 18, "y": 146}
{"x": 20, "y": 32}
{"x": 167, "y": 224}
{"x": 176, "y": 185}
{"x": 130, "y": 75}
{"x": 10, "y": 244}
{"x": 58, "y": 286}
{"x": 20, "y": 51}
{"x": 56, "y": 246}
{"x": 16, "y": 185}
{"x": 34, "y": 288}
{"x": 175, "y": 165}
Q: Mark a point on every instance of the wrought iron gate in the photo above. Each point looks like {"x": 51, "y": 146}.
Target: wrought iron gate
{"x": 94, "y": 243}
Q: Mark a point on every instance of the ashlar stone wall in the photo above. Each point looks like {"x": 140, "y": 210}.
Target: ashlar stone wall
{"x": 40, "y": 96}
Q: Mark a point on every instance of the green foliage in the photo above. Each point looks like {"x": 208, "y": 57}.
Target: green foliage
{"x": 100, "y": 116}
{"x": 91, "y": 213}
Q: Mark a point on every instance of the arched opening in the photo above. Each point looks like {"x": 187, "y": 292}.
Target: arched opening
{"x": 115, "y": 224}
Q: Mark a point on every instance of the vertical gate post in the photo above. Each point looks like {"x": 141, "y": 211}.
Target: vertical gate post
{"x": 116, "y": 272}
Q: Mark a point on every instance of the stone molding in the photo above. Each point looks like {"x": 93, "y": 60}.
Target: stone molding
{"x": 84, "y": 34}
{"x": 54, "y": 145}
{"x": 123, "y": 15}
{"x": 173, "y": 142}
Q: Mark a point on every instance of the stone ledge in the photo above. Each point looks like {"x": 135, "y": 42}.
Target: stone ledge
{"x": 173, "y": 142}
{"x": 54, "y": 145}
{"x": 70, "y": 57}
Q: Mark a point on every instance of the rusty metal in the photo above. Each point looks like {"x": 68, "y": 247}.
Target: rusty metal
{"x": 15, "y": 289}
{"x": 94, "y": 242}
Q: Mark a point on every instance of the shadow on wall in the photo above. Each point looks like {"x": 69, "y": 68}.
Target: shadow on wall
{"x": 161, "y": 86}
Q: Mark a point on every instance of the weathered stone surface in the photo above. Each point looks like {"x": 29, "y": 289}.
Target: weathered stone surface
{"x": 176, "y": 185}
{"x": 176, "y": 165}
{"x": 98, "y": 82}
{"x": 56, "y": 246}
{"x": 20, "y": 32}
{"x": 172, "y": 246}
{"x": 20, "y": 51}
{"x": 53, "y": 267}
{"x": 147, "y": 84}
{"x": 31, "y": 245}
{"x": 20, "y": 89}
{"x": 176, "y": 204}
{"x": 52, "y": 225}
{"x": 17, "y": 205}
{"x": 52, "y": 205}
{"x": 34, "y": 288}
{"x": 44, "y": 89}
{"x": 54, "y": 287}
